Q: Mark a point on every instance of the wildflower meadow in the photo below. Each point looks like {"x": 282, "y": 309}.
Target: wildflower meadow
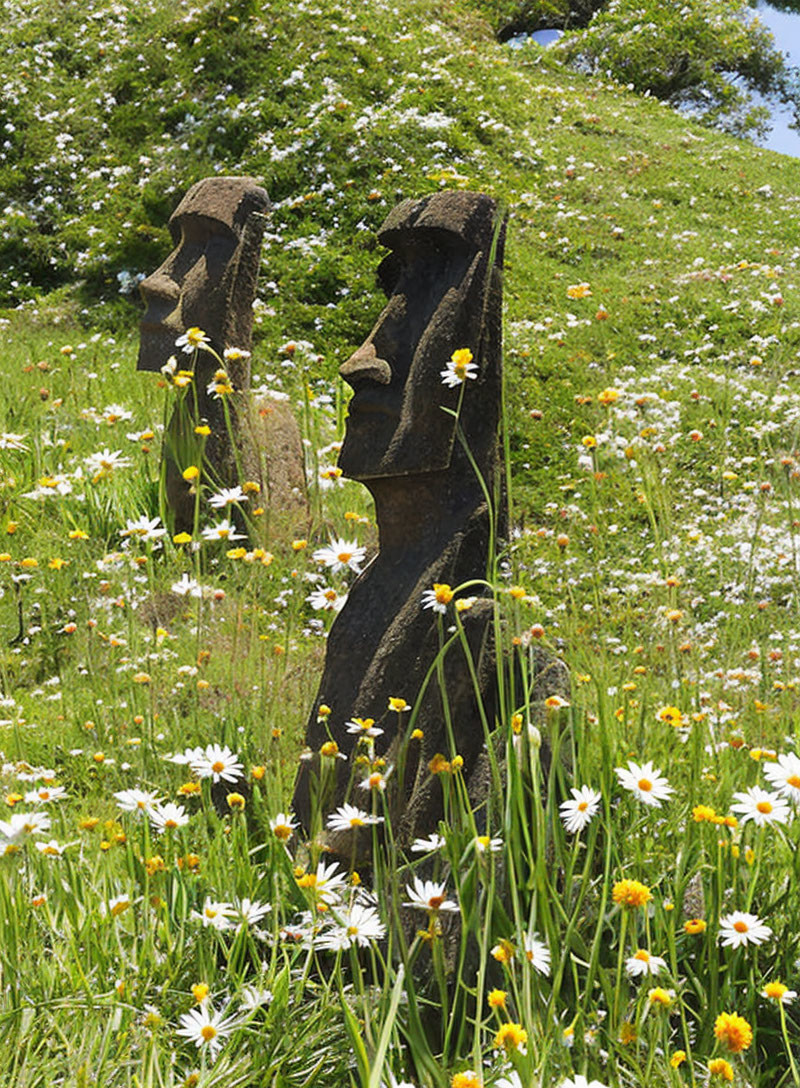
{"x": 625, "y": 910}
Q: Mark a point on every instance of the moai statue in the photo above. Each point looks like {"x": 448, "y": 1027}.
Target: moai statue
{"x": 209, "y": 282}
{"x": 443, "y": 283}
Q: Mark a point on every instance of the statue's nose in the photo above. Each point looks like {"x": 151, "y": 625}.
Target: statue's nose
{"x": 365, "y": 365}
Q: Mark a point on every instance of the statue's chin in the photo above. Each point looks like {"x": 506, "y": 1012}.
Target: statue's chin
{"x": 156, "y": 346}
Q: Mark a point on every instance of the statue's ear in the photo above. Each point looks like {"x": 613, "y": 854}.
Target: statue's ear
{"x": 242, "y": 281}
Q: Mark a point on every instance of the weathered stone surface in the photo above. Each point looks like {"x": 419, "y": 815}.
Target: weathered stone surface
{"x": 443, "y": 282}
{"x": 209, "y": 280}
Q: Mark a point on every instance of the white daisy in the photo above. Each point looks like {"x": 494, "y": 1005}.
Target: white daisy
{"x": 215, "y": 914}
{"x": 577, "y": 813}
{"x": 51, "y": 849}
{"x": 484, "y": 844}
{"x": 341, "y": 555}
{"x": 103, "y": 463}
{"x": 761, "y": 806}
{"x": 144, "y": 528}
{"x": 250, "y": 912}
{"x": 206, "y": 1027}
{"x": 218, "y": 763}
{"x": 193, "y": 339}
{"x": 44, "y": 795}
{"x": 459, "y": 368}
{"x": 327, "y": 598}
{"x": 738, "y": 929}
{"x": 254, "y": 997}
{"x": 645, "y": 783}
{"x": 359, "y": 925}
{"x": 785, "y": 775}
{"x": 537, "y": 953}
{"x": 643, "y": 963}
{"x": 327, "y": 882}
{"x": 187, "y": 587}
{"x": 283, "y": 826}
{"x": 427, "y": 846}
{"x": 227, "y": 496}
{"x": 137, "y": 801}
{"x": 363, "y": 727}
{"x": 168, "y": 817}
{"x": 349, "y": 816}
{"x": 225, "y": 530}
{"x": 428, "y": 895}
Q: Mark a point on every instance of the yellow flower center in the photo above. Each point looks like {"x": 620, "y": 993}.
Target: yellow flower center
{"x": 344, "y": 557}
{"x": 794, "y": 781}
{"x": 645, "y": 784}
{"x": 764, "y": 807}
{"x": 741, "y": 927}
{"x": 435, "y": 902}
{"x": 218, "y": 767}
{"x": 642, "y": 955}
{"x": 208, "y": 1031}
{"x": 582, "y": 806}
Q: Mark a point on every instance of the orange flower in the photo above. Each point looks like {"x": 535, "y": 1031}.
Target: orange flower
{"x": 733, "y": 1031}
{"x": 631, "y": 893}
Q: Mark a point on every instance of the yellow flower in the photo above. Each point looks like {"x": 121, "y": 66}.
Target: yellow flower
{"x": 579, "y": 290}
{"x": 468, "y": 1079}
{"x": 503, "y": 951}
{"x": 659, "y": 996}
{"x": 775, "y": 990}
{"x": 57, "y": 564}
{"x": 607, "y": 396}
{"x": 589, "y": 441}
{"x": 200, "y": 991}
{"x": 329, "y": 748}
{"x": 235, "y": 801}
{"x": 203, "y": 430}
{"x": 78, "y": 534}
{"x": 733, "y": 1031}
{"x": 299, "y": 545}
{"x": 497, "y": 999}
{"x": 190, "y": 473}
{"x": 631, "y": 893}
{"x": 510, "y": 1037}
{"x": 718, "y": 1067}
{"x": 678, "y": 1058}
{"x": 702, "y": 813}
{"x": 694, "y": 926}
{"x": 671, "y": 715}
{"x": 182, "y": 538}
{"x": 627, "y": 1033}
{"x": 442, "y": 592}
{"x": 398, "y": 704}
{"x": 461, "y": 358}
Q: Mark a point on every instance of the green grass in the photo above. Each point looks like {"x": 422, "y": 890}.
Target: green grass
{"x": 677, "y": 585}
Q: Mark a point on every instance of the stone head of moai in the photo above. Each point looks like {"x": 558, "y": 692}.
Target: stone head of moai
{"x": 429, "y": 474}
{"x": 208, "y": 281}
{"x": 442, "y": 281}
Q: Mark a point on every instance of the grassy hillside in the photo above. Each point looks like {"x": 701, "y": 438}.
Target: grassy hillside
{"x": 652, "y": 330}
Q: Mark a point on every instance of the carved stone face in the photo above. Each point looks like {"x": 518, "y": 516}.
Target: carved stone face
{"x": 437, "y": 287}
{"x": 209, "y": 278}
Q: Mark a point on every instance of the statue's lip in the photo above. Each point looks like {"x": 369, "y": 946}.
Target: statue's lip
{"x": 154, "y": 326}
